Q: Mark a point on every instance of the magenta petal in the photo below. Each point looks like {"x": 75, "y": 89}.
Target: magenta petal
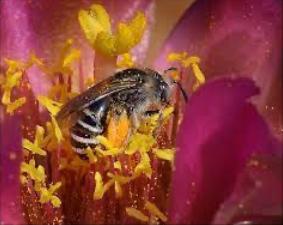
{"x": 240, "y": 37}
{"x": 11, "y": 157}
{"x": 221, "y": 129}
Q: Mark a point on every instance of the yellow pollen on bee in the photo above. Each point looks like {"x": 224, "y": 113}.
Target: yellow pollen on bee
{"x": 117, "y": 130}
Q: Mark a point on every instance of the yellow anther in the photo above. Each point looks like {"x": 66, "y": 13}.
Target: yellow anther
{"x": 99, "y": 190}
{"x": 57, "y": 130}
{"x": 39, "y": 135}
{"x": 179, "y": 57}
{"x": 152, "y": 208}
{"x": 34, "y": 149}
{"x": 11, "y": 107}
{"x": 118, "y": 190}
{"x": 69, "y": 58}
{"x": 125, "y": 61}
{"x": 93, "y": 21}
{"x": 92, "y": 158}
{"x": 52, "y": 106}
{"x": 144, "y": 166}
{"x": 167, "y": 112}
{"x": 36, "y": 146}
{"x": 137, "y": 214}
{"x": 117, "y": 165}
{"x": 140, "y": 142}
{"x": 110, "y": 150}
{"x": 11, "y": 80}
{"x": 36, "y": 174}
{"x": 189, "y": 61}
{"x": 47, "y": 195}
{"x": 166, "y": 154}
{"x": 198, "y": 73}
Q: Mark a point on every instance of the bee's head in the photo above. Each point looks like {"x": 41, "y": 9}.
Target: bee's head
{"x": 159, "y": 87}
{"x": 163, "y": 85}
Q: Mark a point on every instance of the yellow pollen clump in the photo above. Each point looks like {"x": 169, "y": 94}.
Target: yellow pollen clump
{"x": 117, "y": 130}
{"x": 137, "y": 214}
{"x": 125, "y": 61}
{"x": 95, "y": 23}
{"x": 152, "y": 208}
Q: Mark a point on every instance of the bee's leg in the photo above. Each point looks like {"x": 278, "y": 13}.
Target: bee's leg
{"x": 135, "y": 117}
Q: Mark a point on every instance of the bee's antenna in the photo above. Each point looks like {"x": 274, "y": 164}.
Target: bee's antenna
{"x": 182, "y": 90}
{"x": 178, "y": 84}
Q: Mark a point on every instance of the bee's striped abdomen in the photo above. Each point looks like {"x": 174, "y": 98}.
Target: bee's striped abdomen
{"x": 87, "y": 127}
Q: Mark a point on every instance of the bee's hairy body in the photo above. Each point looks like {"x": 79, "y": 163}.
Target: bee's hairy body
{"x": 132, "y": 91}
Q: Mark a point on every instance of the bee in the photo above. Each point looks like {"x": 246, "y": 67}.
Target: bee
{"x": 136, "y": 92}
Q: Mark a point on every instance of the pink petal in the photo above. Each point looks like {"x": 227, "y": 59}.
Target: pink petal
{"x": 221, "y": 129}
{"x": 11, "y": 157}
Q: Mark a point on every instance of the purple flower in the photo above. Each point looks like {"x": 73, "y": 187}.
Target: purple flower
{"x": 228, "y": 163}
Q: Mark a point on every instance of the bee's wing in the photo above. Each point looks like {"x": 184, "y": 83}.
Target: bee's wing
{"x": 93, "y": 94}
